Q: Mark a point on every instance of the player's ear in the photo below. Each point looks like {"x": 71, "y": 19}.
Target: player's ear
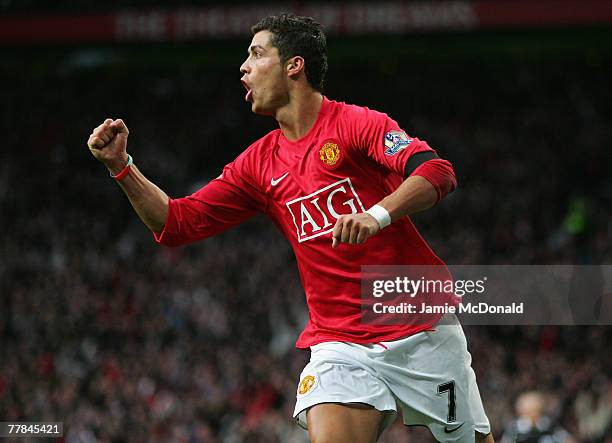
{"x": 294, "y": 66}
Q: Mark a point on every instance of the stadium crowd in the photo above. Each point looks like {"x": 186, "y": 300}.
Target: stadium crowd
{"x": 125, "y": 341}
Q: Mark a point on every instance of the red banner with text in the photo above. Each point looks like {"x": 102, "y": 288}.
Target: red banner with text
{"x": 225, "y": 22}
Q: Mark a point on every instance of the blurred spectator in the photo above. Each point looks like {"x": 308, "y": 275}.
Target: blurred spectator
{"x": 532, "y": 424}
{"x": 593, "y": 409}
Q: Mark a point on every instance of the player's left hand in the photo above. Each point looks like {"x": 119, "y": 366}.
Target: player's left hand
{"x": 354, "y": 229}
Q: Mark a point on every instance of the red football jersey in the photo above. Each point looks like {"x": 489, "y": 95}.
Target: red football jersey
{"x": 350, "y": 159}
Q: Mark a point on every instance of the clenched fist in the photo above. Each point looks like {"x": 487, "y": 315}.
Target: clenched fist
{"x": 354, "y": 229}
{"x": 108, "y": 144}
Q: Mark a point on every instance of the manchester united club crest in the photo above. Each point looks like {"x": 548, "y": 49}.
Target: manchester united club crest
{"x": 330, "y": 154}
{"x": 306, "y": 384}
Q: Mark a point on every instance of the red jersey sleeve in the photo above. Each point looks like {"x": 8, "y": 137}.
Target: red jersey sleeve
{"x": 224, "y": 202}
{"x": 381, "y": 139}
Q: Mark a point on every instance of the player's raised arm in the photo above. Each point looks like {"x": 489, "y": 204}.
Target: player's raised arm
{"x": 415, "y": 194}
{"x": 108, "y": 144}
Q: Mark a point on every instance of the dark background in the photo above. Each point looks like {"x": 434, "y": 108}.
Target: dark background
{"x": 125, "y": 341}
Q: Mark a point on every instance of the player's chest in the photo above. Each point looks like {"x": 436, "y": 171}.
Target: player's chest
{"x": 296, "y": 172}
{"x": 312, "y": 188}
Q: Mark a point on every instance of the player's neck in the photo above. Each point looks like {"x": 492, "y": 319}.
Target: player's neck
{"x": 300, "y": 114}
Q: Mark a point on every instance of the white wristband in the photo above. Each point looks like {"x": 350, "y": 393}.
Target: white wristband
{"x": 381, "y": 215}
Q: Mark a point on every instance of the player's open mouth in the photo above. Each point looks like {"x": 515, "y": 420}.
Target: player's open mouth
{"x": 249, "y": 95}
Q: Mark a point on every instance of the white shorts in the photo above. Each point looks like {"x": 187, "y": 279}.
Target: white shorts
{"x": 428, "y": 375}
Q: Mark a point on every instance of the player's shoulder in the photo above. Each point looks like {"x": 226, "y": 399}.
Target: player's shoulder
{"x": 253, "y": 160}
{"x": 355, "y": 113}
{"x": 261, "y": 147}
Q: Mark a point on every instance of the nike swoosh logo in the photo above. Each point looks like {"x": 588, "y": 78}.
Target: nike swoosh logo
{"x": 448, "y": 431}
{"x": 275, "y": 182}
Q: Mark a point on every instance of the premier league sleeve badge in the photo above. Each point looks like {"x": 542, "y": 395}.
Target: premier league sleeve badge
{"x": 395, "y": 141}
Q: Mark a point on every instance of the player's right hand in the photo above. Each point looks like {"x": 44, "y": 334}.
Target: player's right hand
{"x": 108, "y": 144}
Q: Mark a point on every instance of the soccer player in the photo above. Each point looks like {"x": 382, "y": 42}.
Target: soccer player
{"x": 314, "y": 177}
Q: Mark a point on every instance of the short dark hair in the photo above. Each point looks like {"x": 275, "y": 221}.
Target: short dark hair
{"x": 294, "y": 35}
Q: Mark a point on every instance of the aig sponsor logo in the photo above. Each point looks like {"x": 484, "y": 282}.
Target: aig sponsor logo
{"x": 316, "y": 214}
